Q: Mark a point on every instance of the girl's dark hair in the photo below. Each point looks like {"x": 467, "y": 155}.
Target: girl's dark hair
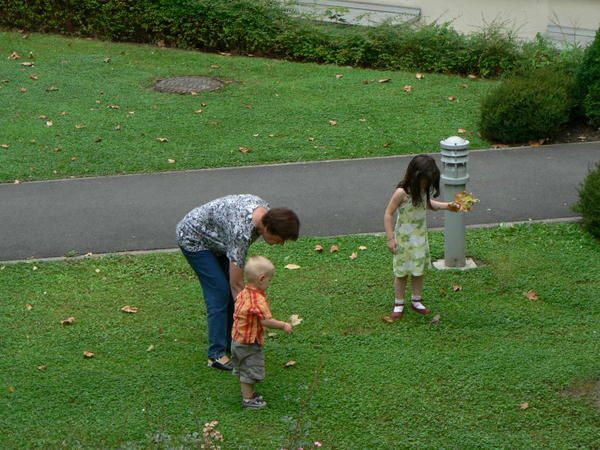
{"x": 282, "y": 222}
{"x": 421, "y": 167}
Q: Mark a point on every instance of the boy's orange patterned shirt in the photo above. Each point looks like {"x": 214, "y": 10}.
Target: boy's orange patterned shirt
{"x": 251, "y": 307}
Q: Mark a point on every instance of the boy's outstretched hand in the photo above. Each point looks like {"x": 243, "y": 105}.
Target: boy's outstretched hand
{"x": 287, "y": 327}
{"x": 454, "y": 207}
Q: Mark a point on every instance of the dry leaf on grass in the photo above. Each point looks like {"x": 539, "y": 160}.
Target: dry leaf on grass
{"x": 27, "y": 64}
{"x": 13, "y": 56}
{"x": 334, "y": 248}
{"x": 113, "y": 107}
{"x": 419, "y": 76}
{"x": 319, "y": 248}
{"x": 34, "y": 77}
{"x": 387, "y": 319}
{"x": 162, "y": 140}
{"x": 333, "y": 123}
{"x": 524, "y": 406}
{"x": 88, "y": 355}
{"x": 49, "y": 123}
{"x": 150, "y": 348}
{"x": 456, "y": 287}
{"x": 272, "y": 334}
{"x": 354, "y": 255}
{"x": 295, "y": 320}
{"x": 532, "y": 295}
{"x": 171, "y": 161}
{"x": 452, "y": 98}
{"x": 129, "y": 309}
{"x": 292, "y": 266}
{"x": 4, "y": 145}
{"x": 68, "y": 321}
{"x": 23, "y": 90}
{"x": 29, "y": 306}
{"x": 290, "y": 363}
{"x": 362, "y": 247}
{"x": 244, "y": 150}
{"x": 408, "y": 88}
{"x": 472, "y": 77}
{"x": 384, "y": 80}
{"x": 51, "y": 89}
{"x": 198, "y": 111}
{"x": 42, "y": 367}
{"x": 461, "y": 131}
{"x": 339, "y": 76}
{"x": 436, "y": 320}
{"x": 79, "y": 126}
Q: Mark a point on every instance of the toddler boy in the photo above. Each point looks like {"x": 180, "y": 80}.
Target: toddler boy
{"x": 251, "y": 315}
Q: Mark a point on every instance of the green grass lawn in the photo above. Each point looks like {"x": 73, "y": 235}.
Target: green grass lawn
{"x": 278, "y": 109}
{"x": 359, "y": 382}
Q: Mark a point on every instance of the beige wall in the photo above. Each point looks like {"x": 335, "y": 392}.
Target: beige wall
{"x": 527, "y": 16}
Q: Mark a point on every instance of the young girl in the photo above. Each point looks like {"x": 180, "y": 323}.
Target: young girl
{"x": 408, "y": 240}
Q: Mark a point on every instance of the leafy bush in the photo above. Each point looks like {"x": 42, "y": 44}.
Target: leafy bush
{"x": 591, "y": 104}
{"x": 527, "y": 108}
{"x": 587, "y": 77}
{"x": 589, "y": 201}
{"x": 264, "y": 27}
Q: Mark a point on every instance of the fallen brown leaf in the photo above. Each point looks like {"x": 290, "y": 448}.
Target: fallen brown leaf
{"x": 333, "y": 123}
{"x": 290, "y": 363}
{"x": 29, "y": 306}
{"x": 362, "y": 247}
{"x": 384, "y": 80}
{"x": 408, "y": 88}
{"x": 13, "y": 56}
{"x": 23, "y": 90}
{"x": 524, "y": 406}
{"x": 198, "y": 111}
{"x": 334, "y": 248}
{"x": 203, "y": 104}
{"x": 471, "y": 77}
{"x": 319, "y": 248}
{"x": 462, "y": 131}
{"x": 113, "y": 106}
{"x": 150, "y": 348}
{"x": 215, "y": 66}
{"x": 456, "y": 287}
{"x": 532, "y": 295}
{"x": 452, "y": 98}
{"x": 68, "y": 321}
{"x": 436, "y": 320}
{"x": 88, "y": 355}
{"x": 295, "y": 320}
{"x": 79, "y": 126}
{"x": 387, "y": 319}
{"x": 42, "y": 367}
{"x": 162, "y": 139}
{"x": 171, "y": 161}
{"x": 34, "y": 77}
{"x": 463, "y": 86}
{"x": 245, "y": 150}
{"x": 537, "y": 143}
{"x": 272, "y": 334}
{"x": 419, "y": 76}
{"x": 339, "y": 76}
{"x": 73, "y": 158}
{"x": 49, "y": 123}
{"x": 27, "y": 64}
{"x": 292, "y": 266}
{"x": 354, "y": 255}
{"x": 51, "y": 89}
{"x": 4, "y": 145}
{"x": 129, "y": 309}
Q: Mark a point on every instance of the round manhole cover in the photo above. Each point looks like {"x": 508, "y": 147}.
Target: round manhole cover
{"x": 188, "y": 85}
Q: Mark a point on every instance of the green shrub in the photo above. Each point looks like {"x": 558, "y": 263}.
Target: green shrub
{"x": 588, "y": 75}
{"x": 264, "y": 27}
{"x": 589, "y": 201}
{"x": 591, "y": 104}
{"x": 527, "y": 108}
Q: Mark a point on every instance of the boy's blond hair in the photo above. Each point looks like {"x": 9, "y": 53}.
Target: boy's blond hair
{"x": 257, "y": 266}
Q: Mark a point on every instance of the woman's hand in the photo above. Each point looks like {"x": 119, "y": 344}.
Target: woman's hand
{"x": 392, "y": 245}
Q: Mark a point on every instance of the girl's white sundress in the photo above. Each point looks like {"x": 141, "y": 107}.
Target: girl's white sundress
{"x": 412, "y": 254}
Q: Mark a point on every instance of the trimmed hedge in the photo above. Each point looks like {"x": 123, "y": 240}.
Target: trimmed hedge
{"x": 527, "y": 108}
{"x": 589, "y": 201}
{"x": 587, "y": 91}
{"x": 263, "y": 27}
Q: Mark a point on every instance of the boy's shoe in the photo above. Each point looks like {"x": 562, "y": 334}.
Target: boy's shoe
{"x": 216, "y": 364}
{"x": 420, "y": 311}
{"x": 255, "y": 402}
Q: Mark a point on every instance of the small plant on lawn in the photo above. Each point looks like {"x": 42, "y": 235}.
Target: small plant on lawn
{"x": 527, "y": 108}
{"x": 587, "y": 89}
{"x": 589, "y": 201}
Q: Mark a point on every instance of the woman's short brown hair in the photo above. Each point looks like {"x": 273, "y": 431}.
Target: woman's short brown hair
{"x": 282, "y": 222}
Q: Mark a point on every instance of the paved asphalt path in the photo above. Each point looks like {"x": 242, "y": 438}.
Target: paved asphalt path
{"x": 139, "y": 212}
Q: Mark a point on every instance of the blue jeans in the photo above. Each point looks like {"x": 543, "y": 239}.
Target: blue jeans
{"x": 213, "y": 272}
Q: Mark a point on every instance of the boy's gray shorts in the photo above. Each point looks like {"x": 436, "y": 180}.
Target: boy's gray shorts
{"x": 248, "y": 362}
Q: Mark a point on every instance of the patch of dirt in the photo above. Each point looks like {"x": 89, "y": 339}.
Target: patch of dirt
{"x": 577, "y": 133}
{"x": 588, "y": 390}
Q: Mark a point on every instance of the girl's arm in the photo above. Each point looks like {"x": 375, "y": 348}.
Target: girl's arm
{"x": 450, "y": 206}
{"x": 397, "y": 199}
